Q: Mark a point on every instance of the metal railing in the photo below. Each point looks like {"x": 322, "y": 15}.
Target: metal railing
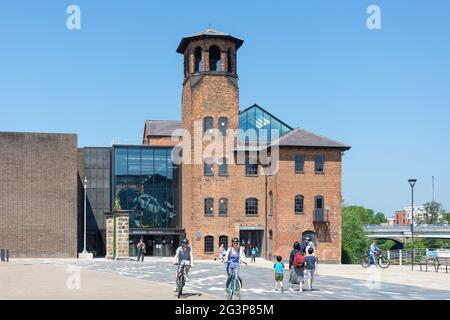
{"x": 404, "y": 257}
{"x": 4, "y": 255}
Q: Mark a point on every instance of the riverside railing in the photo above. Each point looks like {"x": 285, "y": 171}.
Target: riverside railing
{"x": 404, "y": 257}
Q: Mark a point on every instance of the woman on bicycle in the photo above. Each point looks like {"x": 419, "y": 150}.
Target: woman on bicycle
{"x": 184, "y": 256}
{"x": 233, "y": 258}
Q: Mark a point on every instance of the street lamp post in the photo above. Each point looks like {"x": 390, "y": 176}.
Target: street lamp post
{"x": 412, "y": 182}
{"x": 85, "y": 186}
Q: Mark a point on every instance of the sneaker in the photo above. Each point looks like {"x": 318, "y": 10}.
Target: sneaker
{"x": 187, "y": 279}
{"x": 175, "y": 290}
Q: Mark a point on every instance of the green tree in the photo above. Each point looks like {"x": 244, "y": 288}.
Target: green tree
{"x": 379, "y": 218}
{"x": 447, "y": 217}
{"x": 434, "y": 212}
{"x": 354, "y": 240}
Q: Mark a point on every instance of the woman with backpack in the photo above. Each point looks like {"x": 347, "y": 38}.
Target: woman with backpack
{"x": 296, "y": 265}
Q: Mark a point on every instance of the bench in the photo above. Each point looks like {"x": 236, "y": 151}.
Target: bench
{"x": 426, "y": 261}
{"x": 442, "y": 261}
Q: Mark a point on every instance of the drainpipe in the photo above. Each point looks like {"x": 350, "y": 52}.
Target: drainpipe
{"x": 265, "y": 218}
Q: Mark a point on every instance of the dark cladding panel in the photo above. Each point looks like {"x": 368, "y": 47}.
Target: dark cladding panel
{"x": 98, "y": 173}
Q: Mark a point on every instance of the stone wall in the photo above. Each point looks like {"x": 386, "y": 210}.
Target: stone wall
{"x": 121, "y": 235}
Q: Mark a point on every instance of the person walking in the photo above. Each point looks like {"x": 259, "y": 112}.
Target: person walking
{"x": 221, "y": 253}
{"x": 311, "y": 245}
{"x": 254, "y": 252}
{"x": 296, "y": 267}
{"x": 310, "y": 267}
{"x": 278, "y": 268}
{"x": 304, "y": 245}
{"x": 141, "y": 249}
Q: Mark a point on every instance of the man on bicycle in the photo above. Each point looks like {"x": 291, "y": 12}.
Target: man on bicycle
{"x": 184, "y": 256}
{"x": 233, "y": 258}
{"x": 374, "y": 250}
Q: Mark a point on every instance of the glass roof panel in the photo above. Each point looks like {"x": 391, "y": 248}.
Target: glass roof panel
{"x": 256, "y": 118}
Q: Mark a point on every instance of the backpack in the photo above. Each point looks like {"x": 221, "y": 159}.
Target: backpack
{"x": 299, "y": 260}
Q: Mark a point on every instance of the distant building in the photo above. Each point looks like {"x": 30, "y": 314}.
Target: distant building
{"x": 404, "y": 217}
{"x": 390, "y": 221}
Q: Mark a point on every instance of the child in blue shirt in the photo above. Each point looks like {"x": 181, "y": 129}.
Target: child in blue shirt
{"x": 279, "y": 267}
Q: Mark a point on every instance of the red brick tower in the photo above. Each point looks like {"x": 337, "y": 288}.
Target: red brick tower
{"x": 210, "y": 100}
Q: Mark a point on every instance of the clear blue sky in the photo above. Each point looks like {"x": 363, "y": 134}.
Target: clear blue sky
{"x": 314, "y": 64}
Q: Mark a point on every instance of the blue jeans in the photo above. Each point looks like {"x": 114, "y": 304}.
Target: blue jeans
{"x": 372, "y": 260}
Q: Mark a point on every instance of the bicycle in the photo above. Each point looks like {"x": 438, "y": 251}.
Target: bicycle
{"x": 235, "y": 285}
{"x": 381, "y": 259}
{"x": 181, "y": 280}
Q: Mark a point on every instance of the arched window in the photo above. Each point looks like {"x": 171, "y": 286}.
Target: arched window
{"x": 251, "y": 206}
{"x": 270, "y": 203}
{"x": 223, "y": 125}
{"x": 223, "y": 206}
{"x": 209, "y": 206}
{"x": 198, "y": 59}
{"x": 209, "y": 244}
{"x": 299, "y": 204}
{"x": 208, "y": 123}
{"x": 208, "y": 167}
{"x": 319, "y": 213}
{"x": 229, "y": 68}
{"x": 223, "y": 167}
{"x": 214, "y": 58}
{"x": 223, "y": 240}
{"x": 311, "y": 235}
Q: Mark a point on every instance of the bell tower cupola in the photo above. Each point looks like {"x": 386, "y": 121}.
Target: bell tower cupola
{"x": 209, "y": 51}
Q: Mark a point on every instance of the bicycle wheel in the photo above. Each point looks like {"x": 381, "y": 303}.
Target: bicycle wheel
{"x": 230, "y": 289}
{"x": 383, "y": 262}
{"x": 180, "y": 285}
{"x": 237, "y": 290}
{"x": 364, "y": 261}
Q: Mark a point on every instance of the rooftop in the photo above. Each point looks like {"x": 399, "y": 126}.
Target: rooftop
{"x": 208, "y": 33}
{"x": 160, "y": 127}
{"x": 256, "y": 118}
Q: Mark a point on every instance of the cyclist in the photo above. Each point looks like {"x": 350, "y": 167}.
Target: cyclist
{"x": 374, "y": 250}
{"x": 233, "y": 258}
{"x": 184, "y": 256}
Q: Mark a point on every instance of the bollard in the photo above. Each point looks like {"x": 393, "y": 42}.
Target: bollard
{"x": 400, "y": 257}
{"x": 2, "y": 255}
{"x": 7, "y": 255}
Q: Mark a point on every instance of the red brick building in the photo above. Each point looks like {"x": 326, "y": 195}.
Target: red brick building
{"x": 401, "y": 218}
{"x": 227, "y": 197}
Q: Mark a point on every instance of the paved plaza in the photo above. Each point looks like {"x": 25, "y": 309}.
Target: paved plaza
{"x": 154, "y": 279}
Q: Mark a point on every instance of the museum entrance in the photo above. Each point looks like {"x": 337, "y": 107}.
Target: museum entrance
{"x": 157, "y": 245}
{"x": 250, "y": 238}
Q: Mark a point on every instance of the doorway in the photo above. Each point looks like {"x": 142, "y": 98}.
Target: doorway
{"x": 250, "y": 238}
{"x": 156, "y": 245}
